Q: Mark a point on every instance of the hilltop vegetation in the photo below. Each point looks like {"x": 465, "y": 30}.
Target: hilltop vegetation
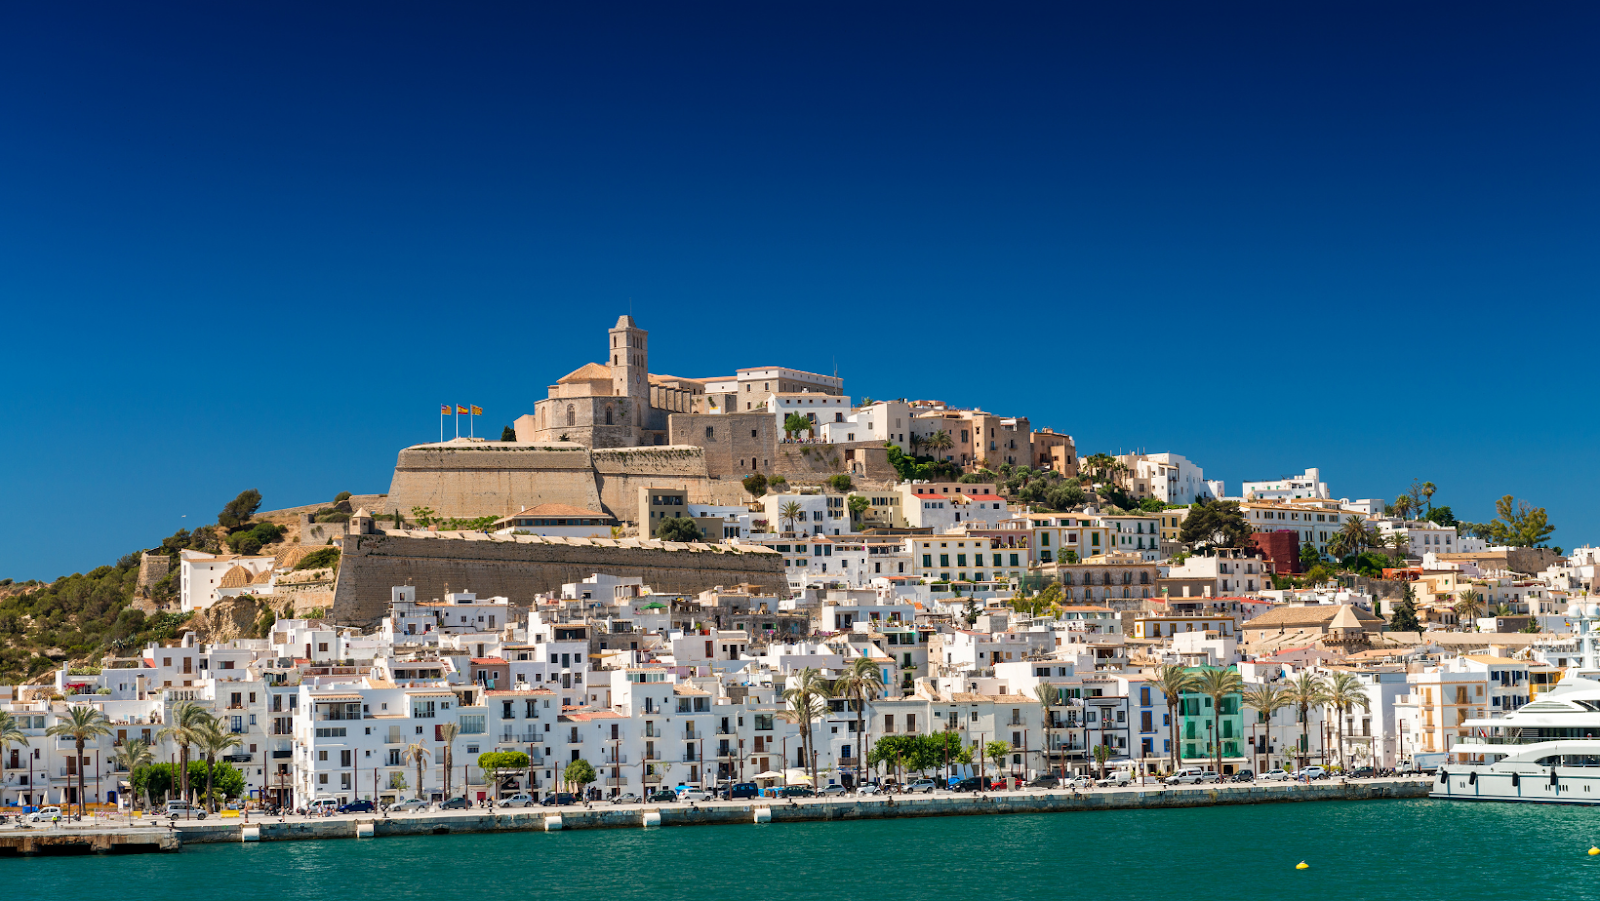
{"x": 85, "y": 615}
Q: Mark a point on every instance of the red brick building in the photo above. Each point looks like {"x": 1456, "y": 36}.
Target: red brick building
{"x": 1281, "y": 548}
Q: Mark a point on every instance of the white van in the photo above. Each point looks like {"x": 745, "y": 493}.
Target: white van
{"x": 322, "y": 805}
{"x": 1189, "y": 775}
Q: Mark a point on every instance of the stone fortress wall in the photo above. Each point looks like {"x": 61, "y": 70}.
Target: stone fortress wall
{"x": 519, "y": 567}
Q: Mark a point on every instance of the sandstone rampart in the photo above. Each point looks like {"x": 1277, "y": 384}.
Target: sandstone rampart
{"x": 521, "y": 566}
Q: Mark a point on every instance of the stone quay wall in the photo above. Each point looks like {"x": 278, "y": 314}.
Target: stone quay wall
{"x": 606, "y": 816}
{"x": 521, "y": 566}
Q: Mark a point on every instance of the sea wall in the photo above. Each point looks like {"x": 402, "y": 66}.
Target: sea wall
{"x": 521, "y": 566}
{"x": 605, "y": 816}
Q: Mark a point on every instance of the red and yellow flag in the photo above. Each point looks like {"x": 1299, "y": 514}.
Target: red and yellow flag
{"x": 444, "y": 409}
{"x": 460, "y": 410}
{"x": 477, "y": 410}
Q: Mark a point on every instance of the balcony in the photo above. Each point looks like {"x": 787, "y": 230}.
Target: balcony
{"x": 525, "y": 738}
{"x": 574, "y": 739}
{"x": 237, "y": 758}
{"x": 615, "y": 781}
{"x": 617, "y": 760}
{"x": 689, "y": 758}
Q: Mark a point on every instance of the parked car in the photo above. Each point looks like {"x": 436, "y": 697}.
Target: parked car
{"x": 459, "y": 802}
{"x": 520, "y": 799}
{"x": 1047, "y": 780}
{"x": 358, "y": 807}
{"x": 869, "y": 788}
{"x": 626, "y": 798}
{"x": 744, "y": 790}
{"x": 921, "y": 787}
{"x": 557, "y": 799}
{"x": 1189, "y": 775}
{"x": 1362, "y": 772}
{"x": 661, "y": 795}
{"x": 969, "y": 784}
{"x": 1244, "y": 776}
{"x": 409, "y": 805}
{"x": 1080, "y": 782}
{"x": 182, "y": 808}
{"x": 693, "y": 794}
{"x": 1115, "y": 780}
{"x": 1277, "y": 774}
{"x": 796, "y": 791}
{"x": 45, "y": 814}
{"x": 1312, "y": 772}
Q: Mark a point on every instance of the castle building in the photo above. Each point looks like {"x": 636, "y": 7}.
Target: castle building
{"x": 619, "y": 403}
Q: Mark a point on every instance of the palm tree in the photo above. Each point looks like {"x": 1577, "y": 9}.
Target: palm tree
{"x": 1218, "y": 683}
{"x": 1396, "y": 542}
{"x": 1345, "y": 693}
{"x": 1305, "y": 692}
{"x": 1428, "y": 488}
{"x": 134, "y": 755}
{"x": 80, "y": 725}
{"x": 1468, "y": 605}
{"x": 1401, "y": 506}
{"x": 447, "y": 734}
{"x": 791, "y": 511}
{"x": 805, "y": 706}
{"x": 1174, "y": 680}
{"x": 1502, "y": 610}
{"x": 212, "y": 740}
{"x": 940, "y": 441}
{"x": 1049, "y": 696}
{"x": 1355, "y": 535}
{"x": 862, "y": 682}
{"x": 10, "y": 734}
{"x": 1265, "y": 701}
{"x": 187, "y": 718}
{"x": 416, "y": 753}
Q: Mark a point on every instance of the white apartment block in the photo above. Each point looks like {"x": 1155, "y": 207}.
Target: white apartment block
{"x": 1169, "y": 478}
{"x": 1308, "y": 484}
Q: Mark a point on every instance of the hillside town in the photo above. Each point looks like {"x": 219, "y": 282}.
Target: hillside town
{"x": 946, "y": 595}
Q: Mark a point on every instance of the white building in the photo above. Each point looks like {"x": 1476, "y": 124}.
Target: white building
{"x": 816, "y": 407}
{"x": 1169, "y": 478}
{"x": 1308, "y": 484}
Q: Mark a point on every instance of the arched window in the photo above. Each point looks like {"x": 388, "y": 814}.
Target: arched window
{"x": 1127, "y": 593}
{"x": 572, "y": 415}
{"x": 1066, "y": 578}
{"x": 1144, "y": 578}
{"x": 1127, "y": 579}
{"x": 608, "y": 414}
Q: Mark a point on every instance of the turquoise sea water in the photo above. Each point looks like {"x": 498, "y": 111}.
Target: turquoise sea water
{"x": 1358, "y": 851}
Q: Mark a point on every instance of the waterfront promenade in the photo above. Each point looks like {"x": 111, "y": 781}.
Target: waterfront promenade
{"x": 751, "y": 811}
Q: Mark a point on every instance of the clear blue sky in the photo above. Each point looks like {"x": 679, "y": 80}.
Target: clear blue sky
{"x": 256, "y": 246}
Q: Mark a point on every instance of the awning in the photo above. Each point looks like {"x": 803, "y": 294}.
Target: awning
{"x": 769, "y": 774}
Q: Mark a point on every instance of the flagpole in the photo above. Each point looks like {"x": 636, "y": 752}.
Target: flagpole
{"x": 471, "y": 430}
{"x": 458, "y": 420}
{"x": 441, "y": 425}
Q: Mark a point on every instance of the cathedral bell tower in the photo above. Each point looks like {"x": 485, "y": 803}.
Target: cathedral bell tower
{"x": 629, "y": 358}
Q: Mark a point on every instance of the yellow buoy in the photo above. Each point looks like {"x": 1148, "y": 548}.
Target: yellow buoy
{"x": 1594, "y": 851}
{"x": 1302, "y": 865}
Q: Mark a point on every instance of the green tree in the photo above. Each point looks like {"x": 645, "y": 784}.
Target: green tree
{"x": 578, "y": 774}
{"x": 1217, "y": 523}
{"x": 1402, "y": 506}
{"x": 212, "y": 740}
{"x": 805, "y": 700}
{"x": 996, "y": 752}
{"x": 1442, "y": 516}
{"x": 1173, "y": 680}
{"x": 840, "y": 483}
{"x": 858, "y": 505}
{"x": 1519, "y": 524}
{"x": 1102, "y": 754}
{"x": 756, "y": 484}
{"x": 1468, "y": 605}
{"x": 790, "y": 512}
{"x": 1266, "y": 700}
{"x": 1404, "y": 617}
{"x": 321, "y": 558}
{"x": 10, "y": 735}
{"x": 239, "y": 510}
{"x": 940, "y": 441}
{"x": 1049, "y": 698}
{"x": 678, "y": 528}
{"x": 1351, "y": 539}
{"x": 796, "y": 424}
{"x": 1218, "y": 684}
{"x": 1397, "y": 545}
{"x": 496, "y": 765}
{"x": 1345, "y": 693}
{"x": 1305, "y": 692}
{"x": 80, "y": 724}
{"x": 508, "y": 434}
{"x": 416, "y": 753}
{"x": 188, "y": 718}
{"x": 1309, "y": 557}
{"x": 447, "y": 735}
{"x": 861, "y": 682}
{"x": 133, "y": 755}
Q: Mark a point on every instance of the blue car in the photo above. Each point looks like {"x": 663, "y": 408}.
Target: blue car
{"x": 358, "y": 807}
